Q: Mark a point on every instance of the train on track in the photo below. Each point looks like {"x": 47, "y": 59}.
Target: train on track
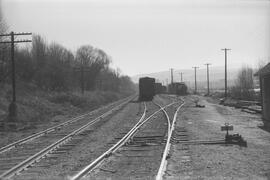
{"x": 178, "y": 88}
{"x": 158, "y": 88}
{"x": 146, "y": 89}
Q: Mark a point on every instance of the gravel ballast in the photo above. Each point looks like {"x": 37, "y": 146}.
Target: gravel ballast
{"x": 219, "y": 161}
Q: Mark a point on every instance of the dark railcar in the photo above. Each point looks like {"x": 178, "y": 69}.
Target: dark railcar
{"x": 146, "y": 89}
{"x": 178, "y": 88}
{"x": 164, "y": 89}
{"x": 158, "y": 88}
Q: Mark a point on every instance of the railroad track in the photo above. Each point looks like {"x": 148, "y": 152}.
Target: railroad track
{"x": 163, "y": 163}
{"x": 22, "y": 154}
{"x": 59, "y": 126}
{"x": 144, "y": 138}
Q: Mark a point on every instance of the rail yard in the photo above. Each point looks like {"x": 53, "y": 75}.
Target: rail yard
{"x": 166, "y": 138}
{"x": 134, "y": 90}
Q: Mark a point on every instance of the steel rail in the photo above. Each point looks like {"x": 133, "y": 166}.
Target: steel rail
{"x": 119, "y": 144}
{"x": 167, "y": 117}
{"x": 168, "y": 144}
{"x": 108, "y": 152}
{"x": 36, "y": 157}
{"x": 51, "y": 129}
{"x": 197, "y": 142}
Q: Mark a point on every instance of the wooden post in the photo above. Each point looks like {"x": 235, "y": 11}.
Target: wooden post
{"x": 13, "y": 107}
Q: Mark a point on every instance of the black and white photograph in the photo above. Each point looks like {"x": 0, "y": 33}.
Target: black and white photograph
{"x": 134, "y": 89}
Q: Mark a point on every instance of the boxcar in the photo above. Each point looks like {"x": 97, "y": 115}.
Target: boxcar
{"x": 178, "y": 88}
{"x": 146, "y": 89}
{"x": 158, "y": 88}
{"x": 164, "y": 89}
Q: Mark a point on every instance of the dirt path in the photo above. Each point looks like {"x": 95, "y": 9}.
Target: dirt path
{"x": 219, "y": 161}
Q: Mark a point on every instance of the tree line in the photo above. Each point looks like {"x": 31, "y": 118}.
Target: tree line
{"x": 53, "y": 67}
{"x": 246, "y": 82}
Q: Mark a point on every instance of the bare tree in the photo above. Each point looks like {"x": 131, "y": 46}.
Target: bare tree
{"x": 52, "y": 67}
{"x": 94, "y": 60}
{"x": 3, "y": 25}
{"x": 4, "y": 48}
{"x": 262, "y": 62}
{"x": 244, "y": 86}
{"x": 39, "y": 55}
{"x": 59, "y": 67}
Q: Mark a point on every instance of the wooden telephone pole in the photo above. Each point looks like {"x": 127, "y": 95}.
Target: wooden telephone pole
{"x": 13, "y": 107}
{"x": 171, "y": 75}
{"x": 225, "y": 51}
{"x": 181, "y": 75}
{"x": 195, "y": 70}
{"x": 208, "y": 91}
{"x": 82, "y": 71}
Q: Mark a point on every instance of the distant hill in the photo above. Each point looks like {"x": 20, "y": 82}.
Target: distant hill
{"x": 216, "y": 76}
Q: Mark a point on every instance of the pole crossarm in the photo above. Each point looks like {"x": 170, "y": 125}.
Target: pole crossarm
{"x": 16, "y": 34}
{"x": 225, "y": 49}
{"x": 23, "y": 33}
{"x": 20, "y": 41}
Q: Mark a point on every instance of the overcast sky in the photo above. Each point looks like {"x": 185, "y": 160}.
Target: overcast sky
{"x": 144, "y": 36}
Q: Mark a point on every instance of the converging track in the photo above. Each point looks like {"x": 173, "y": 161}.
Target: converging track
{"x": 138, "y": 153}
{"x": 109, "y": 142}
{"x": 23, "y": 154}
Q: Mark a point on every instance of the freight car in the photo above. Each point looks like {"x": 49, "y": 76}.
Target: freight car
{"x": 178, "y": 88}
{"x": 158, "y": 88}
{"x": 164, "y": 89}
{"x": 146, "y": 89}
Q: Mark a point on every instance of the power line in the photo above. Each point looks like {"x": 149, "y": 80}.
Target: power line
{"x": 16, "y": 34}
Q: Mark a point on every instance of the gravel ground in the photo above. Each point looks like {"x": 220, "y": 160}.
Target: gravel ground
{"x": 218, "y": 161}
{"x": 89, "y": 147}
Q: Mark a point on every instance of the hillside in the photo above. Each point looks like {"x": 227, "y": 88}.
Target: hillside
{"x": 37, "y": 107}
{"x": 216, "y": 75}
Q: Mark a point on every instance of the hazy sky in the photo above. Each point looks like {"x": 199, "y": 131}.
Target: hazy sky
{"x": 144, "y": 36}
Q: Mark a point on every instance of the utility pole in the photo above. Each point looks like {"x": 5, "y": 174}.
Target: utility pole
{"x": 171, "y": 75}
{"x": 207, "y": 65}
{"x": 181, "y": 75}
{"x": 82, "y": 70}
{"x": 82, "y": 78}
{"x": 195, "y": 69}
{"x": 13, "y": 107}
{"x": 225, "y": 50}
